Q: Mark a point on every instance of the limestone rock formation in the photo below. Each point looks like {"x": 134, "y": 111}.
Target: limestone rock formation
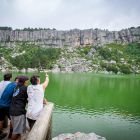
{"x": 73, "y": 38}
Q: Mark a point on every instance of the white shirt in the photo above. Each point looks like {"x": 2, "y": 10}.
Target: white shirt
{"x": 35, "y": 101}
{"x": 3, "y": 85}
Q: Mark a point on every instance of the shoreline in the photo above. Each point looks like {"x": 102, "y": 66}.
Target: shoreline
{"x": 51, "y": 71}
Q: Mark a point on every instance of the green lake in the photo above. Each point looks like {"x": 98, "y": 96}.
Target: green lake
{"x": 108, "y": 105}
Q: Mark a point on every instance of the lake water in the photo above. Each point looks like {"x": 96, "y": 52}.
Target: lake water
{"x": 108, "y": 105}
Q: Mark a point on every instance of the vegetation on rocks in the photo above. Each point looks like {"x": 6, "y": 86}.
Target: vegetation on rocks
{"x": 109, "y": 58}
{"x": 34, "y": 56}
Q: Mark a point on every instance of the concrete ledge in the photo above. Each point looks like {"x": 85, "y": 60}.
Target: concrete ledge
{"x": 43, "y": 124}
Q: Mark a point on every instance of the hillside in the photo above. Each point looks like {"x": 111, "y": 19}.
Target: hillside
{"x": 107, "y": 58}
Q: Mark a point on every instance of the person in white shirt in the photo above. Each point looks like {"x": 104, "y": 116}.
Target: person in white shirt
{"x": 3, "y": 84}
{"x": 35, "y": 98}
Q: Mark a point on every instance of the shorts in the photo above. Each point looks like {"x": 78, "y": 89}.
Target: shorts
{"x": 31, "y": 122}
{"x": 19, "y": 124}
{"x": 4, "y": 111}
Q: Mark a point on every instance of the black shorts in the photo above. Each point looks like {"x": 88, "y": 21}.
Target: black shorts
{"x": 31, "y": 123}
{"x": 4, "y": 111}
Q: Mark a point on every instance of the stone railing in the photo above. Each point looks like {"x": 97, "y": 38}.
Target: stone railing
{"x": 42, "y": 129}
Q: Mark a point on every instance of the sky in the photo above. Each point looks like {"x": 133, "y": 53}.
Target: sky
{"x": 113, "y": 15}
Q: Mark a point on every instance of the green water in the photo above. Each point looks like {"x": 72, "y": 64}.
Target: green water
{"x": 108, "y": 105}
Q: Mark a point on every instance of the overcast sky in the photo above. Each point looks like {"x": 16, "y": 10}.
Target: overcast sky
{"x": 70, "y": 14}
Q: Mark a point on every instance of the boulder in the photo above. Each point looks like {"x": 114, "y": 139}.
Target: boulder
{"x": 92, "y": 50}
{"x": 56, "y": 70}
{"x": 63, "y": 70}
{"x": 78, "y": 68}
{"x": 90, "y": 55}
{"x": 69, "y": 51}
{"x": 69, "y": 70}
{"x": 79, "y": 136}
{"x": 95, "y": 66}
{"x": 32, "y": 70}
{"x": 110, "y": 63}
{"x": 23, "y": 70}
{"x": 47, "y": 71}
{"x": 122, "y": 59}
{"x": 14, "y": 69}
{"x": 3, "y": 70}
{"x": 119, "y": 72}
{"x": 106, "y": 72}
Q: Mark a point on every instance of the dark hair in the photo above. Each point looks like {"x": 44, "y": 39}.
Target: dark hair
{"x": 34, "y": 79}
{"x": 22, "y": 79}
{"x": 16, "y": 78}
{"x": 7, "y": 76}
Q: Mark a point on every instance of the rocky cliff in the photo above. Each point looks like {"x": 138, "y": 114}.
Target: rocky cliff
{"x": 73, "y": 38}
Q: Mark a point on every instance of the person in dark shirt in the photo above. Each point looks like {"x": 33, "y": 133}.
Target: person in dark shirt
{"x": 5, "y": 102}
{"x": 17, "y": 108}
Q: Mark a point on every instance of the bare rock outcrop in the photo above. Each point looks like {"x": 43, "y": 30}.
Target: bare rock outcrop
{"x": 79, "y": 136}
{"x": 73, "y": 38}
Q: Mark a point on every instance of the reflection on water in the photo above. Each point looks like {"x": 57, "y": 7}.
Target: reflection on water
{"x": 107, "y": 122}
{"x": 105, "y": 104}
{"x": 108, "y": 105}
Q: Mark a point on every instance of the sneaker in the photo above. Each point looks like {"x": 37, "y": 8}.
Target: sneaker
{"x": 3, "y": 135}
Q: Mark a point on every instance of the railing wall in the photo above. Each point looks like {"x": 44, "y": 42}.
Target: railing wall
{"x": 42, "y": 129}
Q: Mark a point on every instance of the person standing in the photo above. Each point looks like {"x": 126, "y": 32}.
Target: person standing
{"x": 17, "y": 108}
{"x": 35, "y": 98}
{"x": 5, "y": 102}
{"x": 5, "y": 82}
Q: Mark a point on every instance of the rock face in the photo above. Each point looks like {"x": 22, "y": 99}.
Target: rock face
{"x": 78, "y": 68}
{"x": 79, "y": 136}
{"x": 56, "y": 70}
{"x": 32, "y": 70}
{"x": 72, "y": 62}
{"x": 4, "y": 64}
{"x": 73, "y": 38}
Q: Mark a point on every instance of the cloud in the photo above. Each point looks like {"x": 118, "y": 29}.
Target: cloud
{"x": 70, "y": 14}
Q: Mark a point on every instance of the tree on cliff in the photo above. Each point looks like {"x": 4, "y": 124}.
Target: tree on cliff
{"x": 34, "y": 62}
{"x": 44, "y": 61}
{"x": 106, "y": 53}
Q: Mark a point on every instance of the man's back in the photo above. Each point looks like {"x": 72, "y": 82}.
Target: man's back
{"x": 3, "y": 85}
{"x": 35, "y": 101}
{"x": 19, "y": 101}
{"x": 7, "y": 94}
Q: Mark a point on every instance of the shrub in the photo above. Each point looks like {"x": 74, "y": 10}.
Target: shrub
{"x": 105, "y": 52}
{"x": 99, "y": 69}
{"x": 10, "y": 66}
{"x": 102, "y": 64}
{"x": 59, "y": 66}
{"x": 129, "y": 61}
{"x": 86, "y": 51}
{"x": 63, "y": 39}
{"x": 57, "y": 38}
{"x": 112, "y": 68}
{"x": 125, "y": 69}
{"x": 138, "y": 60}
